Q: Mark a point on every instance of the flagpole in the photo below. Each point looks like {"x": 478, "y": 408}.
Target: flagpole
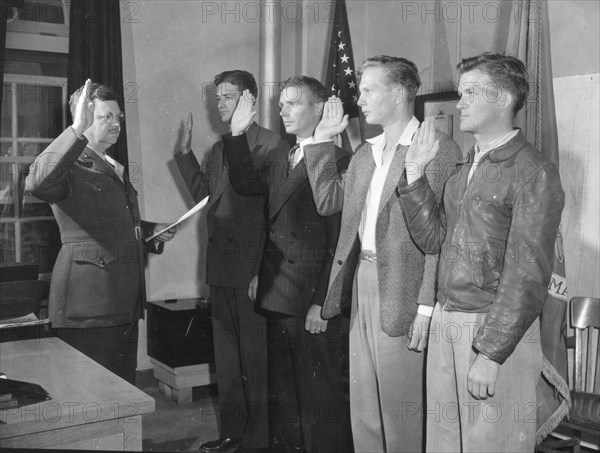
{"x": 270, "y": 67}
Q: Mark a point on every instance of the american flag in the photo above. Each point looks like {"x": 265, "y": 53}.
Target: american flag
{"x": 341, "y": 73}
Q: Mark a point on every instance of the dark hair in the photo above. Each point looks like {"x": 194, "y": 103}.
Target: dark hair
{"x": 97, "y": 92}
{"x": 508, "y": 72}
{"x": 316, "y": 88}
{"x": 398, "y": 72}
{"x": 241, "y": 79}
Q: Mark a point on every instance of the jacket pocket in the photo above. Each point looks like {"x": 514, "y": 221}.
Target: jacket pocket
{"x": 487, "y": 266}
{"x": 91, "y": 291}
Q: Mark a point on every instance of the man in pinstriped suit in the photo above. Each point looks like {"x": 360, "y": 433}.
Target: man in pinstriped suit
{"x": 308, "y": 407}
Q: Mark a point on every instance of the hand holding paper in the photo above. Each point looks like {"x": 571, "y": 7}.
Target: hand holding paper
{"x": 168, "y": 227}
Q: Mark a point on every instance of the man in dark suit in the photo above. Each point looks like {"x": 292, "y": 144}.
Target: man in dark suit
{"x": 308, "y": 408}
{"x": 235, "y": 243}
{"x": 377, "y": 267}
{"x": 97, "y": 289}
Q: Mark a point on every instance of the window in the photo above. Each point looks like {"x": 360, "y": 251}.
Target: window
{"x": 34, "y": 102}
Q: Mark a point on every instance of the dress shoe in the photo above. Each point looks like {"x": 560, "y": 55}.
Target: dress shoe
{"x": 221, "y": 444}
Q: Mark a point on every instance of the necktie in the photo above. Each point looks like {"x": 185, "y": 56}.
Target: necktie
{"x": 116, "y": 166}
{"x": 291, "y": 159}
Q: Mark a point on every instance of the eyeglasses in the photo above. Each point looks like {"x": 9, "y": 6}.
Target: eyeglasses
{"x": 110, "y": 117}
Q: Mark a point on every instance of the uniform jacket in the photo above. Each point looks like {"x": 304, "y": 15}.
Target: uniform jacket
{"x": 98, "y": 278}
{"x": 235, "y": 222}
{"x": 299, "y": 247}
{"x": 496, "y": 236}
{"x": 406, "y": 275}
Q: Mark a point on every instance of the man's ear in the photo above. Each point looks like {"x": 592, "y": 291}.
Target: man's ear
{"x": 400, "y": 95}
{"x": 319, "y": 106}
{"x": 506, "y": 100}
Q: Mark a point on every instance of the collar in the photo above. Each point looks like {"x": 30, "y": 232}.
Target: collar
{"x": 404, "y": 140}
{"x": 303, "y": 143}
{"x": 504, "y": 150}
{"x": 486, "y": 148}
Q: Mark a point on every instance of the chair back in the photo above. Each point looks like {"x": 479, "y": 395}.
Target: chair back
{"x": 585, "y": 319}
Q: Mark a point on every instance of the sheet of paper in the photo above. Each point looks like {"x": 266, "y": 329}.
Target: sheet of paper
{"x": 188, "y": 214}
{"x": 27, "y": 320}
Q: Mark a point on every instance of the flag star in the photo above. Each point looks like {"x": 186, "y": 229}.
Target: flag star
{"x": 348, "y": 71}
{"x": 352, "y": 84}
{"x": 341, "y": 46}
{"x": 354, "y": 98}
{"x": 345, "y": 58}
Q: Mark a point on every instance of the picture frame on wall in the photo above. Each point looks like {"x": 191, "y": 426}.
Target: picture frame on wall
{"x": 441, "y": 109}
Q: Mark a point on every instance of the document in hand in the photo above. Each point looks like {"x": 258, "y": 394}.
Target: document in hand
{"x": 188, "y": 214}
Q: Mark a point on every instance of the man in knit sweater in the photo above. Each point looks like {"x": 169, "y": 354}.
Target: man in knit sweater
{"x": 377, "y": 267}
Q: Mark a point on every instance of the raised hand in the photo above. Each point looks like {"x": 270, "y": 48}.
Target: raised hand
{"x": 422, "y": 150}
{"x": 244, "y": 114}
{"x": 186, "y": 142}
{"x": 84, "y": 110}
{"x": 333, "y": 121}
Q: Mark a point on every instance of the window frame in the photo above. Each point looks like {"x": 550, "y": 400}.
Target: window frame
{"x": 14, "y": 160}
{"x": 41, "y": 37}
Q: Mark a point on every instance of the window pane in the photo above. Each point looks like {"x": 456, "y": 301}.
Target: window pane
{"x": 39, "y": 110}
{"x": 40, "y": 243}
{"x": 5, "y": 149}
{"x": 7, "y": 201}
{"x": 7, "y": 242}
{"x": 7, "y": 96}
{"x": 30, "y": 62}
{"x": 49, "y": 11}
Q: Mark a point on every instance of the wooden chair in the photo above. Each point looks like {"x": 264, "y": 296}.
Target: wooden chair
{"x": 584, "y": 416}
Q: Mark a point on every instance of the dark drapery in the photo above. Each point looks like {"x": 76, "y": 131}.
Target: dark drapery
{"x": 95, "y": 53}
{"x": 5, "y": 13}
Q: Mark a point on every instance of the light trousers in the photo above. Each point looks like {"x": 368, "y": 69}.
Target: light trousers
{"x": 456, "y": 422}
{"x": 386, "y": 379}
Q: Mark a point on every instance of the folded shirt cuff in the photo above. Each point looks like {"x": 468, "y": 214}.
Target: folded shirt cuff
{"x": 425, "y": 310}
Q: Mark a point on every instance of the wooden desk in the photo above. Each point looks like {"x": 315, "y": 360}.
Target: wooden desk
{"x": 91, "y": 408}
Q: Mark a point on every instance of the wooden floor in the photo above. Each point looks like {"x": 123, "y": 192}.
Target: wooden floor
{"x": 177, "y": 427}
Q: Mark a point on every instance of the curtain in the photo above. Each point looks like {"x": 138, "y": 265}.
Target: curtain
{"x": 95, "y": 53}
{"x": 529, "y": 40}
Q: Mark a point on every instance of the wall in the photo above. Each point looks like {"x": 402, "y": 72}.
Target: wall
{"x": 172, "y": 49}
{"x": 171, "y": 52}
{"x": 576, "y": 67}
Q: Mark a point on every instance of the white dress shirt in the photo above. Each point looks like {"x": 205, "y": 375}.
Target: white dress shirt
{"x": 368, "y": 222}
{"x": 299, "y": 154}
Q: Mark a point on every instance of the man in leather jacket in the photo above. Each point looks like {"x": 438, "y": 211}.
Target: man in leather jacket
{"x": 495, "y": 229}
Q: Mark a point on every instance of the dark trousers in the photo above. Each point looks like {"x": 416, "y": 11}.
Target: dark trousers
{"x": 115, "y": 348}
{"x": 308, "y": 409}
{"x": 240, "y": 341}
